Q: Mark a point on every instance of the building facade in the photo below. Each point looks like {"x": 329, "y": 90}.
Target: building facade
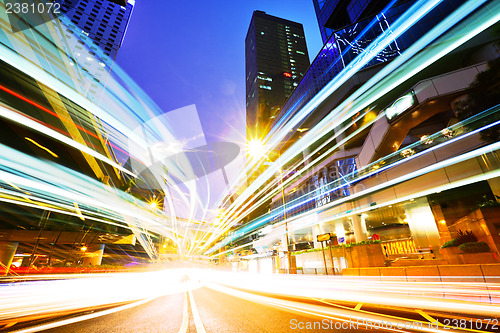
{"x": 276, "y": 59}
{"x": 334, "y": 14}
{"x": 413, "y": 167}
{"x": 95, "y": 30}
{"x": 104, "y": 22}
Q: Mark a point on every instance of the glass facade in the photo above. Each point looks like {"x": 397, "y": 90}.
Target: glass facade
{"x": 321, "y": 188}
{"x": 104, "y": 22}
{"x": 276, "y": 59}
{"x": 94, "y": 32}
{"x": 347, "y": 43}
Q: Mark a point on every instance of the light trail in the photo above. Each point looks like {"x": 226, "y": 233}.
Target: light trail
{"x": 56, "y": 188}
{"x": 112, "y": 119}
{"x": 468, "y": 298}
{"x": 74, "y": 292}
{"x": 436, "y": 166}
{"x": 47, "y": 297}
{"x": 426, "y": 57}
{"x": 410, "y": 17}
{"x": 25, "y": 121}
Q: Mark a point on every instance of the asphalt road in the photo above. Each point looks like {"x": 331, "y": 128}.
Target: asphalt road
{"x": 213, "y": 311}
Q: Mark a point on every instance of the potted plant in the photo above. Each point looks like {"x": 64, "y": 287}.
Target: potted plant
{"x": 450, "y": 249}
{"x": 477, "y": 253}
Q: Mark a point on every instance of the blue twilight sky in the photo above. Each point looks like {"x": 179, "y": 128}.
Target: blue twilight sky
{"x": 193, "y": 52}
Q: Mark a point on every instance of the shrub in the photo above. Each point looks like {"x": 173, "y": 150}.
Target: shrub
{"x": 474, "y": 247}
{"x": 465, "y": 237}
{"x": 462, "y": 237}
{"x": 366, "y": 242}
{"x": 452, "y": 243}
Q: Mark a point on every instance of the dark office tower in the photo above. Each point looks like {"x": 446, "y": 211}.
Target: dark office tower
{"x": 276, "y": 59}
{"x": 335, "y": 14}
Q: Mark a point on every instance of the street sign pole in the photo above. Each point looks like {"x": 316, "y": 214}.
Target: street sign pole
{"x": 324, "y": 258}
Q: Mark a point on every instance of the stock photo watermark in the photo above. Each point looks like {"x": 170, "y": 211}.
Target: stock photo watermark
{"x": 356, "y": 324}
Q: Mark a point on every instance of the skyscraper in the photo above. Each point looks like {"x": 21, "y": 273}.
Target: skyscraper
{"x": 95, "y": 30}
{"x": 333, "y": 14}
{"x": 103, "y": 21}
{"x": 276, "y": 59}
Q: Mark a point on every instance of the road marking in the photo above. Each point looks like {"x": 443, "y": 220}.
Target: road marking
{"x": 82, "y": 318}
{"x": 425, "y": 315}
{"x": 196, "y": 315}
{"x": 185, "y": 315}
{"x": 12, "y": 323}
{"x": 358, "y": 306}
{"x": 396, "y": 317}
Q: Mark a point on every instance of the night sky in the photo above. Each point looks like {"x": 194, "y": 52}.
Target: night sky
{"x": 193, "y": 52}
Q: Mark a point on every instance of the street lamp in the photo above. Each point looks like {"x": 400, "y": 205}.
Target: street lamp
{"x": 256, "y": 149}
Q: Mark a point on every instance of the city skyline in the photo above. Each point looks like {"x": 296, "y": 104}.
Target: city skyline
{"x": 215, "y": 80}
{"x": 370, "y": 200}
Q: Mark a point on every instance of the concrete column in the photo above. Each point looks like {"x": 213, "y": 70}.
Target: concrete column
{"x": 7, "y": 252}
{"x": 495, "y": 187}
{"x": 340, "y": 231}
{"x": 93, "y": 255}
{"x": 422, "y": 225}
{"x": 359, "y": 226}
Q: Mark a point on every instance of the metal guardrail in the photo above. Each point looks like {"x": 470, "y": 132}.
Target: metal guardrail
{"x": 310, "y": 271}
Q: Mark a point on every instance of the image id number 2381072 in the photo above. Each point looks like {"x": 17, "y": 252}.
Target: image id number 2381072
{"x": 33, "y": 8}
{"x": 471, "y": 323}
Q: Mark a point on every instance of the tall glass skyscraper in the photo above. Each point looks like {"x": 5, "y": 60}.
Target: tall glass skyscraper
{"x": 95, "y": 30}
{"x": 276, "y": 59}
{"x": 334, "y": 14}
{"x": 103, "y": 21}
